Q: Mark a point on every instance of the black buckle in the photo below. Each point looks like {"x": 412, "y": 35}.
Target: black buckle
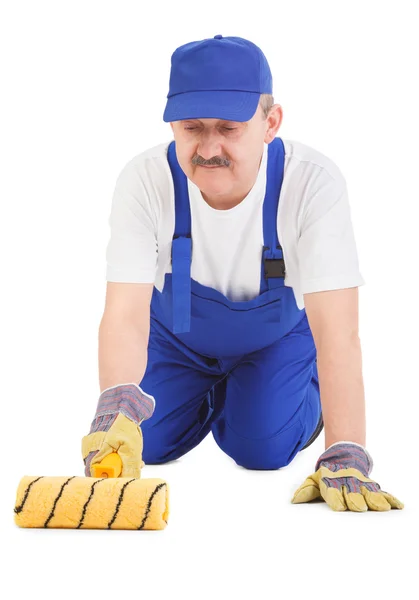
{"x": 274, "y": 267}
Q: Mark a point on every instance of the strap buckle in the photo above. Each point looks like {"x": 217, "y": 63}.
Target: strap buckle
{"x": 274, "y": 267}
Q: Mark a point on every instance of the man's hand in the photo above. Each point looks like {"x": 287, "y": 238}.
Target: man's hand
{"x": 341, "y": 480}
{"x": 116, "y": 428}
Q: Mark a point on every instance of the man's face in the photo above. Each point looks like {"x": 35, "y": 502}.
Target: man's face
{"x": 221, "y": 157}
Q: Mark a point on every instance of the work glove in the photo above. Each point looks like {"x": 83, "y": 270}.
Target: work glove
{"x": 341, "y": 479}
{"x": 116, "y": 428}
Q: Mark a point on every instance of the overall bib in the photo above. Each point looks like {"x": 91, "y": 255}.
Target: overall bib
{"x": 246, "y": 371}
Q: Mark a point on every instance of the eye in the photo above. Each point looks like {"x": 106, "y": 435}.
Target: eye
{"x": 190, "y": 128}
{"x": 230, "y": 128}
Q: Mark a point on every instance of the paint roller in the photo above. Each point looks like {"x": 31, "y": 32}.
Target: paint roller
{"x": 104, "y": 501}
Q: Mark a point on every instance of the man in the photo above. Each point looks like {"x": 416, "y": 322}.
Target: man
{"x": 232, "y": 294}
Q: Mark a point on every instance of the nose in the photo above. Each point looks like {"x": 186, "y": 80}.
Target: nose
{"x": 209, "y": 145}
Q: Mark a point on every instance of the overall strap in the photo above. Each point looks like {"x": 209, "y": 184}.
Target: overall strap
{"x": 273, "y": 265}
{"x": 181, "y": 247}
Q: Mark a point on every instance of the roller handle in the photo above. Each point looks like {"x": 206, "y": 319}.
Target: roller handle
{"x": 111, "y": 466}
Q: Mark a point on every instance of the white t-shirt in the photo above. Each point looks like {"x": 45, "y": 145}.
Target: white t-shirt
{"x": 314, "y": 228}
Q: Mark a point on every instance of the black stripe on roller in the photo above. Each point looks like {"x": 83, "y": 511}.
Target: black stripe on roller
{"x": 121, "y": 495}
{"x": 56, "y": 500}
{"x": 18, "y": 509}
{"x": 92, "y": 491}
{"x": 158, "y": 487}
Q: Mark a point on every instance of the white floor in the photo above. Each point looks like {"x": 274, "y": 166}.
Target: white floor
{"x": 231, "y": 532}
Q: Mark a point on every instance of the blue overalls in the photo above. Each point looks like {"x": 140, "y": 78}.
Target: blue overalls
{"x": 246, "y": 371}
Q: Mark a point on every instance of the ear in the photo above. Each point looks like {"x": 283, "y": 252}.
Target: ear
{"x": 274, "y": 121}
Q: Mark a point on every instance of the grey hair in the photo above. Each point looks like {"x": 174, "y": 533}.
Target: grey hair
{"x": 266, "y": 101}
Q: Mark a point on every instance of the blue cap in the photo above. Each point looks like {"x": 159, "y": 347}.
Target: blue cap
{"x": 217, "y": 78}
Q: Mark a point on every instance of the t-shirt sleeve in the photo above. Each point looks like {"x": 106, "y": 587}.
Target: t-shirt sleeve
{"x": 327, "y": 253}
{"x": 131, "y": 253}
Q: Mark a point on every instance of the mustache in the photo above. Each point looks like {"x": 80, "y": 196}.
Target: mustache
{"x": 215, "y": 160}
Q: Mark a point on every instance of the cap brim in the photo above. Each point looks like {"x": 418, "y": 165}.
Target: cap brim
{"x": 226, "y": 105}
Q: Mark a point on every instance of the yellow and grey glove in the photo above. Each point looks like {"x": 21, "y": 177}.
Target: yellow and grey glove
{"x": 116, "y": 428}
{"x": 341, "y": 479}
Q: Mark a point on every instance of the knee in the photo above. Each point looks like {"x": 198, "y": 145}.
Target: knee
{"x": 259, "y": 458}
{"x": 259, "y": 454}
{"x": 157, "y": 450}
{"x": 159, "y": 456}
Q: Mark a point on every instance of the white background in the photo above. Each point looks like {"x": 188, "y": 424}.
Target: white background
{"x": 83, "y": 89}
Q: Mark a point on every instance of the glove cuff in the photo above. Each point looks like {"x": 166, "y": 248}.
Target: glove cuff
{"x": 346, "y": 455}
{"x": 126, "y": 398}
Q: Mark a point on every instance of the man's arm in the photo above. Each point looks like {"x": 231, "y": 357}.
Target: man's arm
{"x": 123, "y": 333}
{"x": 333, "y": 320}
